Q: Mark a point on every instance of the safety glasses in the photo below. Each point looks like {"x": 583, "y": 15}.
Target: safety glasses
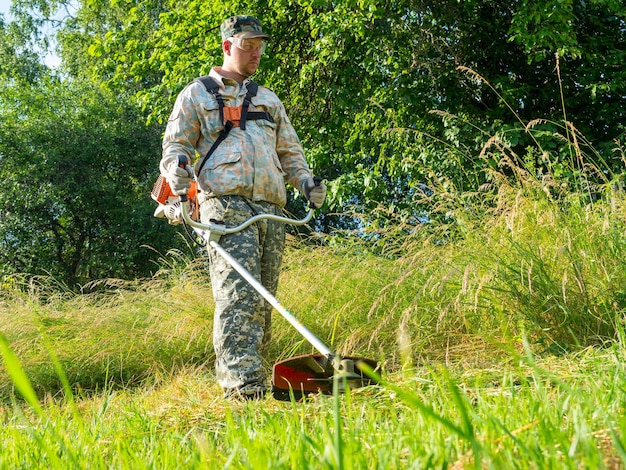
{"x": 250, "y": 44}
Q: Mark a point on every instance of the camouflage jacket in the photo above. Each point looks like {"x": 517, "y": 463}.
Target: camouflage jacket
{"x": 254, "y": 163}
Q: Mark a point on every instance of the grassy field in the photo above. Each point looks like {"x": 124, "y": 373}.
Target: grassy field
{"x": 500, "y": 331}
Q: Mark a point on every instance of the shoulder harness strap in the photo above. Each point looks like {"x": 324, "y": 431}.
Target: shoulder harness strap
{"x": 212, "y": 87}
{"x": 253, "y": 88}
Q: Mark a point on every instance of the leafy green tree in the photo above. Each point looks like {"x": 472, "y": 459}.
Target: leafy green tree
{"x": 18, "y": 58}
{"x": 76, "y": 164}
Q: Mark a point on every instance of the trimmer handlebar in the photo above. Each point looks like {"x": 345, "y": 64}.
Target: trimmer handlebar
{"x": 221, "y": 229}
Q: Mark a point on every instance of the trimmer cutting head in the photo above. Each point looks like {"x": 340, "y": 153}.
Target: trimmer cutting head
{"x": 315, "y": 373}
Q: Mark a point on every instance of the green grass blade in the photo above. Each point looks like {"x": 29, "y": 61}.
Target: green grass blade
{"x": 413, "y": 400}
{"x": 18, "y": 376}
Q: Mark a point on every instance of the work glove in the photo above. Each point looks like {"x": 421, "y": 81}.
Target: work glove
{"x": 314, "y": 193}
{"x": 180, "y": 179}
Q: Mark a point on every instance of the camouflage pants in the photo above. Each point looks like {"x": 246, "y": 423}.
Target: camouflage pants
{"x": 242, "y": 318}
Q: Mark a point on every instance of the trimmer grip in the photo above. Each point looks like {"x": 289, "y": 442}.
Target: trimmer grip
{"x": 182, "y": 163}
{"x": 317, "y": 181}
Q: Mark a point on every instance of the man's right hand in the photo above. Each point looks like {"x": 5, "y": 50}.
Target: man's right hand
{"x": 179, "y": 179}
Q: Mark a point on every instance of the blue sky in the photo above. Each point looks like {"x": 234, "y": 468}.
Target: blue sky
{"x": 4, "y": 7}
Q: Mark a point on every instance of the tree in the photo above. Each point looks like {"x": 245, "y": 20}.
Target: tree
{"x": 387, "y": 96}
{"x": 76, "y": 164}
{"x": 18, "y": 59}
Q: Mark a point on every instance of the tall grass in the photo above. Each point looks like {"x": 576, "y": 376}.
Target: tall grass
{"x": 121, "y": 336}
{"x": 530, "y": 263}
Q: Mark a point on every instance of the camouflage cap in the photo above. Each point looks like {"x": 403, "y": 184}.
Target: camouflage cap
{"x": 243, "y": 27}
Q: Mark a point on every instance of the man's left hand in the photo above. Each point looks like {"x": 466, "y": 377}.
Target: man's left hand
{"x": 315, "y": 194}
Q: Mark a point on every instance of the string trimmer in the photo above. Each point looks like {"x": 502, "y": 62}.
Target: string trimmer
{"x": 299, "y": 375}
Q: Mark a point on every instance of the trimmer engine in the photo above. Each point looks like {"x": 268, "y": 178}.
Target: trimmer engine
{"x": 169, "y": 203}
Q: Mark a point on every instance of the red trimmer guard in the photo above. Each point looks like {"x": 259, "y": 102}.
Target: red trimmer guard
{"x": 313, "y": 373}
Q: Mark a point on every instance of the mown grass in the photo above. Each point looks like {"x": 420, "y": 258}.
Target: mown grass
{"x": 500, "y": 330}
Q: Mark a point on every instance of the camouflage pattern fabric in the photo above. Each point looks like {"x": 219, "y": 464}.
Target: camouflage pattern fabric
{"x": 242, "y": 319}
{"x": 254, "y": 163}
{"x": 242, "y": 26}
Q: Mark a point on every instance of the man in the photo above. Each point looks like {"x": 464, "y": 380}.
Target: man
{"x": 244, "y": 176}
